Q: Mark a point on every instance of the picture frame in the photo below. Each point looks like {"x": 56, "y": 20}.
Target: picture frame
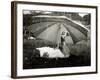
{"x": 68, "y": 31}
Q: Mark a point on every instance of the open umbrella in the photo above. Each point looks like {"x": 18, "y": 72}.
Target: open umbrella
{"x": 52, "y": 27}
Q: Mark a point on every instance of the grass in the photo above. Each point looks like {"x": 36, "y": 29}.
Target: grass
{"x": 80, "y": 55}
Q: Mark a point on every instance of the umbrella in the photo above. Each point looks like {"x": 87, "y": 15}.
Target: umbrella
{"x": 51, "y": 30}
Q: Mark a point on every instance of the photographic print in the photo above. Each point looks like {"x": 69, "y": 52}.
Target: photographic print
{"x": 53, "y": 39}
{"x": 56, "y": 39}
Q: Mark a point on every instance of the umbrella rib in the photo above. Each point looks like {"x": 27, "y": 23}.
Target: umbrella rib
{"x": 42, "y": 29}
{"x": 71, "y": 35}
{"x": 53, "y": 27}
{"x": 77, "y": 26}
{"x": 58, "y": 35}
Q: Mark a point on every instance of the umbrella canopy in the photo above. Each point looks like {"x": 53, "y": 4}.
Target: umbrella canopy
{"x": 53, "y": 30}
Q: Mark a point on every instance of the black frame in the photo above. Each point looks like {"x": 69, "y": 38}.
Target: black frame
{"x": 14, "y": 37}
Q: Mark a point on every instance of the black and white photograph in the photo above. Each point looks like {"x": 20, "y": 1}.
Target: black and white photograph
{"x": 53, "y": 39}
{"x": 56, "y": 39}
